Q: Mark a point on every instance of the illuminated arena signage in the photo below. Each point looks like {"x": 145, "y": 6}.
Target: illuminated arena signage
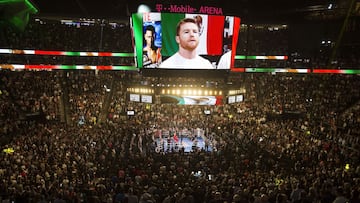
{"x": 188, "y": 9}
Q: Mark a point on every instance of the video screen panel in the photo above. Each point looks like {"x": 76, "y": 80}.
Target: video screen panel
{"x": 191, "y": 100}
{"x": 135, "y": 97}
{"x": 239, "y": 98}
{"x": 231, "y": 99}
{"x": 130, "y": 113}
{"x": 146, "y": 99}
{"x": 200, "y": 42}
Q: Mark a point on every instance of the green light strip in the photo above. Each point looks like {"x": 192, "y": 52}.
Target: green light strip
{"x": 124, "y": 68}
{"x": 68, "y": 67}
{"x": 251, "y": 57}
{"x": 351, "y": 71}
{"x": 31, "y": 7}
{"x": 123, "y": 54}
{"x": 260, "y": 70}
{"x": 240, "y": 57}
{"x": 72, "y": 53}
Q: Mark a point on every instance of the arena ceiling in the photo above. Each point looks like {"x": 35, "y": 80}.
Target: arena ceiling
{"x": 248, "y": 10}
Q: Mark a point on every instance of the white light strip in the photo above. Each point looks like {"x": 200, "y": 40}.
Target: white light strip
{"x": 89, "y": 53}
{"x": 5, "y": 51}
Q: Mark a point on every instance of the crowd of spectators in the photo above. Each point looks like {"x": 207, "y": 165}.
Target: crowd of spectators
{"x": 261, "y": 154}
{"x": 52, "y": 34}
{"x": 55, "y": 35}
{"x": 263, "y": 40}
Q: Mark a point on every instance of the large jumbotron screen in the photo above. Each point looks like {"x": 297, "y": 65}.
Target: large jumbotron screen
{"x": 156, "y": 39}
